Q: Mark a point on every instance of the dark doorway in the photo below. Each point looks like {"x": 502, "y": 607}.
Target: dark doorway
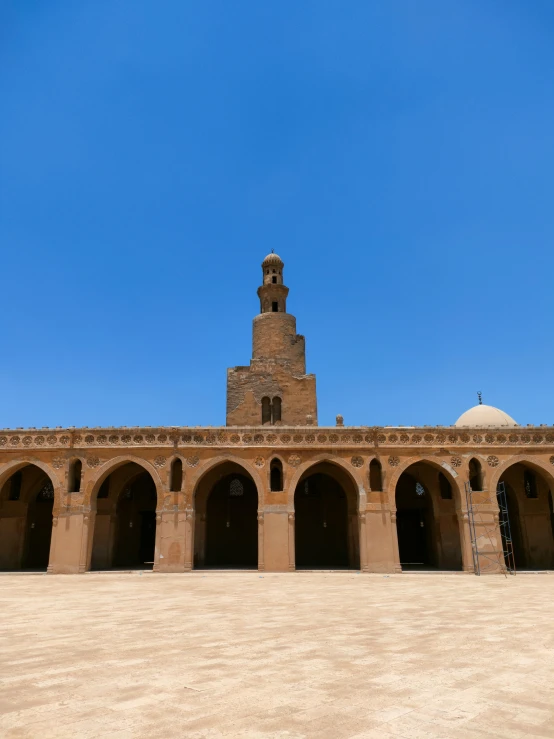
{"x": 232, "y": 523}
{"x": 321, "y": 523}
{"x": 520, "y": 560}
{"x": 530, "y": 515}
{"x": 414, "y": 524}
{"x": 136, "y": 523}
{"x": 39, "y": 529}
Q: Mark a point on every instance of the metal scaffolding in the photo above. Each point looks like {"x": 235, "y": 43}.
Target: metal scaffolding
{"x": 500, "y": 559}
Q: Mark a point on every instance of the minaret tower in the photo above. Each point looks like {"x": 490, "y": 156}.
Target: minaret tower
{"x": 273, "y": 293}
{"x": 274, "y": 389}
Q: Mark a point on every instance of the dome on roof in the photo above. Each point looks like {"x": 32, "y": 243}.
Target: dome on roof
{"x": 485, "y": 415}
{"x": 272, "y": 259}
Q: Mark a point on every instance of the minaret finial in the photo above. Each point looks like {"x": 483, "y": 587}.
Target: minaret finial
{"x": 480, "y": 396}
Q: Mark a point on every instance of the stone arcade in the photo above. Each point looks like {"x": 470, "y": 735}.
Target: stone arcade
{"x": 273, "y": 490}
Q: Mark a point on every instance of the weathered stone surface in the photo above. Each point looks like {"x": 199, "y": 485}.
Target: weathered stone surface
{"x": 293, "y": 656}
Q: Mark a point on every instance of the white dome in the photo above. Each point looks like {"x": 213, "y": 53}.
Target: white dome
{"x": 485, "y": 415}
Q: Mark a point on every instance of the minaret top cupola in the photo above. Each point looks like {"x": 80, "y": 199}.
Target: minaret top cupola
{"x": 273, "y": 293}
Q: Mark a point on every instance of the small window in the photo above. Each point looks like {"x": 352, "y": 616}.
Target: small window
{"x": 275, "y": 307}
{"x": 266, "y": 410}
{"x": 176, "y": 475}
{"x": 236, "y": 488}
{"x": 276, "y": 476}
{"x": 273, "y": 271}
{"x": 267, "y": 271}
{"x": 375, "y": 475}
{"x": 530, "y": 483}
{"x": 46, "y": 492}
{"x": 475, "y": 475}
{"x": 445, "y": 487}
{"x": 15, "y": 486}
{"x": 274, "y": 280}
{"x": 75, "y": 473}
{"x": 276, "y": 407}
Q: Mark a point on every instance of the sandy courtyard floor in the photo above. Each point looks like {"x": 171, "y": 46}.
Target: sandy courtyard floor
{"x": 338, "y": 655}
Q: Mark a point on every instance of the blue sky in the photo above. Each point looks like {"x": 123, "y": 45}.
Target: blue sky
{"x": 399, "y": 157}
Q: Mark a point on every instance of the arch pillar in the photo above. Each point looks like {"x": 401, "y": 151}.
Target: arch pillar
{"x": 395, "y": 547}
{"x": 364, "y": 564}
{"x": 465, "y": 541}
{"x": 261, "y": 553}
{"x": 291, "y": 549}
{"x": 174, "y": 539}
{"x": 71, "y": 542}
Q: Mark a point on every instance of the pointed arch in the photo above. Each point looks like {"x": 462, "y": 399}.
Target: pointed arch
{"x": 7, "y": 470}
{"x": 227, "y": 495}
{"x": 439, "y": 464}
{"x": 429, "y": 522}
{"x": 200, "y": 472}
{"x": 94, "y": 483}
{"x": 301, "y": 470}
{"x": 27, "y": 518}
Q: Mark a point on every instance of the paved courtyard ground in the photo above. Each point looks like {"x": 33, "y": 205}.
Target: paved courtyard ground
{"x": 287, "y": 656}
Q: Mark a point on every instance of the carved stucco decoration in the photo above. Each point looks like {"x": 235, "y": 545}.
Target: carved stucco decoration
{"x": 456, "y": 462}
{"x": 394, "y": 461}
{"x": 357, "y": 461}
{"x": 492, "y": 461}
{"x": 160, "y": 461}
{"x": 294, "y": 460}
{"x": 341, "y": 436}
{"x": 259, "y": 461}
{"x": 193, "y": 461}
{"x": 93, "y": 461}
{"x": 58, "y": 463}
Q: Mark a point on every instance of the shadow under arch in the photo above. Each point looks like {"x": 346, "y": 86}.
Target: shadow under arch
{"x": 29, "y": 498}
{"x": 225, "y": 500}
{"x": 326, "y": 522}
{"x": 427, "y": 522}
{"x": 439, "y": 465}
{"x": 529, "y": 487}
{"x": 125, "y": 494}
{"x": 94, "y": 484}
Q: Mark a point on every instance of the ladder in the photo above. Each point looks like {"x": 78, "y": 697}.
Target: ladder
{"x": 504, "y": 558}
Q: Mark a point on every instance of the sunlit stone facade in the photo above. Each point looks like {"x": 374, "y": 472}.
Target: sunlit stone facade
{"x": 274, "y": 490}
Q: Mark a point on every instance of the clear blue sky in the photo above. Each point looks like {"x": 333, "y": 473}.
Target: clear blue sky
{"x": 399, "y": 156}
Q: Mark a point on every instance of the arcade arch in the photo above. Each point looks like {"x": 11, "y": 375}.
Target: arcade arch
{"x": 26, "y": 506}
{"x": 326, "y": 519}
{"x": 125, "y": 522}
{"x": 530, "y": 510}
{"x": 226, "y": 518}
{"x": 426, "y": 519}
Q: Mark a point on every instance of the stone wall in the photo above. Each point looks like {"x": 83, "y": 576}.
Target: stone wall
{"x": 348, "y": 449}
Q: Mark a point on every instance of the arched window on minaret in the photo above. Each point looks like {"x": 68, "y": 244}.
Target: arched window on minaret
{"x": 276, "y": 408}
{"x": 266, "y": 410}
{"x": 276, "y": 476}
